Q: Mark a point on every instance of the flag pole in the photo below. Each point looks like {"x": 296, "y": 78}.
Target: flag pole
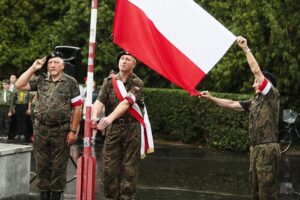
{"x": 86, "y": 167}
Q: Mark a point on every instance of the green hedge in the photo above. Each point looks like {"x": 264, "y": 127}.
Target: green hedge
{"x": 175, "y": 115}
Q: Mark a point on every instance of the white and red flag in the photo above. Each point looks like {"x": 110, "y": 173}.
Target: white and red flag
{"x": 176, "y": 38}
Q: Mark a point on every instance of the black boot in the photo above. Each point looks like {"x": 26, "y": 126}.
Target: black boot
{"x": 45, "y": 195}
{"x": 57, "y": 196}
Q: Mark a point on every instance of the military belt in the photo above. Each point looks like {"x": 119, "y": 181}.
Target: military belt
{"x": 124, "y": 121}
{"x": 52, "y": 124}
{"x": 263, "y": 141}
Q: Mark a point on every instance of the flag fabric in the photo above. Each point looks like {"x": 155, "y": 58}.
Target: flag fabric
{"x": 176, "y": 38}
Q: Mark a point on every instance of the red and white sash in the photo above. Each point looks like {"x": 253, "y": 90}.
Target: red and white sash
{"x": 147, "y": 145}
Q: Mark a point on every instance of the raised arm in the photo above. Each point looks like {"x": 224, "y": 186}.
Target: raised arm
{"x": 224, "y": 103}
{"x": 242, "y": 42}
{"x": 23, "y": 81}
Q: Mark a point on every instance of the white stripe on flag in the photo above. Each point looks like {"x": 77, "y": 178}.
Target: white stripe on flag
{"x": 190, "y": 28}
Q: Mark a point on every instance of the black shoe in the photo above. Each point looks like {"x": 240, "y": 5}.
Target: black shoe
{"x": 45, "y": 195}
{"x": 57, "y": 196}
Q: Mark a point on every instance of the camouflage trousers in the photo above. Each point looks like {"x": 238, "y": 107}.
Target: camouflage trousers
{"x": 263, "y": 172}
{"x": 121, "y": 157}
{"x": 51, "y": 153}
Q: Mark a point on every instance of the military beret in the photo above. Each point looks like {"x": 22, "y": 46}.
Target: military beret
{"x": 271, "y": 77}
{"x": 55, "y": 54}
{"x": 124, "y": 53}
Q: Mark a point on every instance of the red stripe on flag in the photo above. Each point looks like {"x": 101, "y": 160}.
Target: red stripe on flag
{"x": 134, "y": 32}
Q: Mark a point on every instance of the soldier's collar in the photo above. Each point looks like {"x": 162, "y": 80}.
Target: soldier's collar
{"x": 61, "y": 78}
{"x": 130, "y": 77}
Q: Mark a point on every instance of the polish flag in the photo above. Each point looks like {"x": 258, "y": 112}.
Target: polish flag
{"x": 176, "y": 38}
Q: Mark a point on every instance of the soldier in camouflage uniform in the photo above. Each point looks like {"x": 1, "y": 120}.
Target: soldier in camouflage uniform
{"x": 123, "y": 141}
{"x": 6, "y": 109}
{"x": 58, "y": 101}
{"x": 263, "y": 128}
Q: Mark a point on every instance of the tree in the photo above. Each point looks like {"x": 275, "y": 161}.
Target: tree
{"x": 30, "y": 29}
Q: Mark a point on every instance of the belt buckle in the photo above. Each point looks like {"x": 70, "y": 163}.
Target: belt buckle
{"x": 121, "y": 121}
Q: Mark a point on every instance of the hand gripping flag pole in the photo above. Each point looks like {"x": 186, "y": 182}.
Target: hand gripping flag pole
{"x": 86, "y": 167}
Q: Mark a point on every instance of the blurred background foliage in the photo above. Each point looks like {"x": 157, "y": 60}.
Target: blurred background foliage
{"x": 30, "y": 29}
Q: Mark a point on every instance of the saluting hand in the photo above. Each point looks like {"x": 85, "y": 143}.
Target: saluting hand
{"x": 38, "y": 64}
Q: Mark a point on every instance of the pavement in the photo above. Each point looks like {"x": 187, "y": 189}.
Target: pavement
{"x": 184, "y": 172}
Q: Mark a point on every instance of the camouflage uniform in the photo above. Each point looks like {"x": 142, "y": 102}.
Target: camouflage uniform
{"x": 264, "y": 150}
{"x": 32, "y": 106}
{"x": 122, "y": 143}
{"x": 52, "y": 115}
{"x": 5, "y": 108}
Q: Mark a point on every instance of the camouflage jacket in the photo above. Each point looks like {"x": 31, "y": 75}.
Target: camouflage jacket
{"x": 53, "y": 100}
{"x": 108, "y": 97}
{"x": 9, "y": 99}
{"x": 264, "y": 115}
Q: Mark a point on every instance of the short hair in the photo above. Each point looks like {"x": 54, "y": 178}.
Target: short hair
{"x": 6, "y": 81}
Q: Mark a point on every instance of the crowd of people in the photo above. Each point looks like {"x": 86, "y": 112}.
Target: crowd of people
{"x": 16, "y": 112}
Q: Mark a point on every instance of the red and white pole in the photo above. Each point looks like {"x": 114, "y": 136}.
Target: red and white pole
{"x": 86, "y": 165}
